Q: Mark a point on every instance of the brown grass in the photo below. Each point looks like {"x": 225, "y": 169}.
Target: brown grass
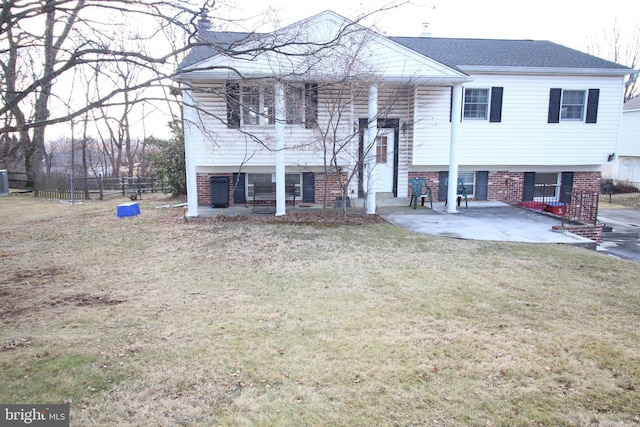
{"x": 154, "y": 321}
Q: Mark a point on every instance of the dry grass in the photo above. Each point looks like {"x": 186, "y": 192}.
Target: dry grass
{"x": 151, "y": 321}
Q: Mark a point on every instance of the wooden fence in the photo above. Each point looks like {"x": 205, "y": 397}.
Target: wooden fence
{"x": 67, "y": 187}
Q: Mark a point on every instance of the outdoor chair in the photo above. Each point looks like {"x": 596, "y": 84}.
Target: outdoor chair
{"x": 461, "y": 191}
{"x": 417, "y": 186}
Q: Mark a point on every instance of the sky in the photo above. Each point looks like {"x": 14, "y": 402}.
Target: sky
{"x": 573, "y": 23}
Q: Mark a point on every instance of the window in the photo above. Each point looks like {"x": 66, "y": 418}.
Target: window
{"x": 468, "y": 181}
{"x": 572, "y": 106}
{"x": 270, "y": 179}
{"x": 476, "y": 103}
{"x": 545, "y": 187}
{"x": 381, "y": 149}
{"x": 249, "y": 105}
{"x": 483, "y": 104}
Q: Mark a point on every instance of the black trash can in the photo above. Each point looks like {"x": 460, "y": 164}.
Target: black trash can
{"x": 219, "y": 186}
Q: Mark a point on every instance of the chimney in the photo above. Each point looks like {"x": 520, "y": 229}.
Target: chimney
{"x": 425, "y": 30}
{"x": 203, "y": 22}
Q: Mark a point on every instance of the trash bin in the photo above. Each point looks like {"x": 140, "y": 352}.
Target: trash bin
{"x": 339, "y": 202}
{"x": 219, "y": 186}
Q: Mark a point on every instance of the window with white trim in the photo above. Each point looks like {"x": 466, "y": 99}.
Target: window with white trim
{"x": 468, "y": 181}
{"x": 476, "y": 104}
{"x": 572, "y": 105}
{"x": 546, "y": 187}
{"x": 250, "y": 105}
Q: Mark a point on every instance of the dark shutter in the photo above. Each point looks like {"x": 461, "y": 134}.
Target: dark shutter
{"x": 442, "y": 188}
{"x": 482, "y": 185}
{"x": 529, "y": 185}
{"x": 592, "y": 105}
{"x": 451, "y": 105}
{"x": 239, "y": 195}
{"x": 555, "y": 97}
{"x": 308, "y": 187}
{"x": 495, "y": 116}
{"x": 311, "y": 105}
{"x": 233, "y": 105}
{"x": 566, "y": 186}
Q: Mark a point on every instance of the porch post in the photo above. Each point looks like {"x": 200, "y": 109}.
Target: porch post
{"x": 452, "y": 189}
{"x": 370, "y": 158}
{"x": 189, "y": 155}
{"x": 281, "y": 119}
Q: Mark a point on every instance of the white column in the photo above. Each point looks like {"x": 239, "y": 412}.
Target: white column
{"x": 189, "y": 155}
{"x": 281, "y": 118}
{"x": 456, "y": 108}
{"x": 370, "y": 154}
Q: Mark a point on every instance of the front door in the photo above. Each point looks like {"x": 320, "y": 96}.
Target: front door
{"x": 383, "y": 169}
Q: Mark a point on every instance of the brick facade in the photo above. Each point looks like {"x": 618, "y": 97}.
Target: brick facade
{"x": 333, "y": 187}
{"x": 505, "y": 186}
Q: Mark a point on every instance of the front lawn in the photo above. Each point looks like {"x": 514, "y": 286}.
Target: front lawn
{"x": 155, "y": 321}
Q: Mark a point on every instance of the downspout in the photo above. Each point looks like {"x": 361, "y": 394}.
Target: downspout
{"x": 281, "y": 119}
{"x": 372, "y": 131}
{"x": 452, "y": 188}
{"x": 189, "y": 155}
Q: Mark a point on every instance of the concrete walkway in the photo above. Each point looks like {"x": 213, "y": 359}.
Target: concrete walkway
{"x": 483, "y": 221}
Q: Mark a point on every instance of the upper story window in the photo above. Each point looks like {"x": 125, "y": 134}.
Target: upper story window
{"x": 249, "y": 105}
{"x": 573, "y": 105}
{"x": 476, "y": 103}
{"x": 483, "y": 104}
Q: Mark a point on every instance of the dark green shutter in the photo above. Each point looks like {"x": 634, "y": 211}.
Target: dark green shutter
{"x": 555, "y": 97}
{"x": 239, "y": 195}
{"x": 233, "y": 105}
{"x": 495, "y": 115}
{"x": 592, "y": 105}
{"x": 308, "y": 187}
{"x": 529, "y": 185}
{"x": 482, "y": 185}
{"x": 566, "y": 186}
{"x": 442, "y": 188}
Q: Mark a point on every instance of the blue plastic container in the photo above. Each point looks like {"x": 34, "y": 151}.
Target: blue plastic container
{"x": 128, "y": 209}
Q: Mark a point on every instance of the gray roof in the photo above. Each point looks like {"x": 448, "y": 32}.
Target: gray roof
{"x": 503, "y": 53}
{"x": 211, "y": 43}
{"x": 455, "y": 53}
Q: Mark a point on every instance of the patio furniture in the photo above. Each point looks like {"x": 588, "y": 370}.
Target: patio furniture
{"x": 461, "y": 192}
{"x": 417, "y": 186}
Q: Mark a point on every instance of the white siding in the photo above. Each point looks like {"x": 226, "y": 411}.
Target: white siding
{"x": 523, "y": 137}
{"x": 630, "y": 134}
{"x": 432, "y": 128}
{"x": 216, "y": 145}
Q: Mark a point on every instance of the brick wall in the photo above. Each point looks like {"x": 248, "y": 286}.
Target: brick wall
{"x": 333, "y": 188}
{"x": 593, "y": 232}
{"x": 589, "y": 181}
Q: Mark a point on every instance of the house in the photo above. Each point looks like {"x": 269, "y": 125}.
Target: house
{"x": 626, "y": 165}
{"x": 327, "y": 108}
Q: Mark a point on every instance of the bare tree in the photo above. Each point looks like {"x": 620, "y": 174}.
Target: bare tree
{"x": 621, "y": 46}
{"x": 43, "y": 41}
